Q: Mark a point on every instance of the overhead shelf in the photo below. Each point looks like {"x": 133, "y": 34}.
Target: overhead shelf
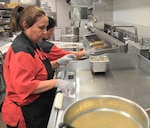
{"x": 9, "y": 9}
{"x": 3, "y": 23}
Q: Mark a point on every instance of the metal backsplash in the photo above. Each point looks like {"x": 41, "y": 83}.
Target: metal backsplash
{"x": 102, "y": 11}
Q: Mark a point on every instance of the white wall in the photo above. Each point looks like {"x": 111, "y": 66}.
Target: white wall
{"x": 63, "y": 20}
{"x": 132, "y": 11}
{"x": 136, "y": 12}
{"x": 62, "y": 13}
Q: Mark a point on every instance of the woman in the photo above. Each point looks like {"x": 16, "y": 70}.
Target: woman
{"x": 30, "y": 87}
{"x": 53, "y": 52}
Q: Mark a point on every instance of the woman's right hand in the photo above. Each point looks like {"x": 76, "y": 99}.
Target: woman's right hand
{"x": 89, "y": 52}
{"x": 65, "y": 86}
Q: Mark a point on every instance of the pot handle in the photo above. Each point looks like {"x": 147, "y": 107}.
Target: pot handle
{"x": 148, "y": 111}
{"x": 65, "y": 125}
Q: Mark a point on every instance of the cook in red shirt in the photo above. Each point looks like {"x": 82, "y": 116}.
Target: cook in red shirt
{"x": 28, "y": 73}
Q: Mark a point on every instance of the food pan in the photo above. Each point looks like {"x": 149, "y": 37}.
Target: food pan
{"x": 99, "y": 63}
{"x": 72, "y": 46}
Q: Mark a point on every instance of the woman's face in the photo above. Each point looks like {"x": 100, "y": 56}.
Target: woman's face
{"x": 37, "y": 31}
{"x": 48, "y": 34}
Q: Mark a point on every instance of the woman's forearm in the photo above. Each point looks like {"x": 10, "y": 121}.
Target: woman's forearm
{"x": 54, "y": 64}
{"x": 45, "y": 86}
{"x": 79, "y": 54}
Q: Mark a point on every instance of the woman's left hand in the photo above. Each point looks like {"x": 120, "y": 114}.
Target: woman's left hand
{"x": 66, "y": 59}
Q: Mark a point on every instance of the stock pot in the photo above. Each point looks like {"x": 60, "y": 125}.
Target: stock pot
{"x": 104, "y": 111}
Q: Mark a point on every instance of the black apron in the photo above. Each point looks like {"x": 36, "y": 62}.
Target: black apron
{"x": 37, "y": 113}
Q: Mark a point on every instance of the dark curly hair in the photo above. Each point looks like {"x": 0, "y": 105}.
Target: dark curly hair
{"x": 51, "y": 23}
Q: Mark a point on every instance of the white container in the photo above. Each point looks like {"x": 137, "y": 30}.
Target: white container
{"x": 99, "y": 63}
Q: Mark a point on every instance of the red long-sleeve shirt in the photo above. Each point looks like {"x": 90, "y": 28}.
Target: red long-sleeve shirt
{"x": 23, "y": 70}
{"x": 52, "y": 51}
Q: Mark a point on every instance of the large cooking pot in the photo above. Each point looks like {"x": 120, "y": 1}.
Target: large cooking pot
{"x": 104, "y": 111}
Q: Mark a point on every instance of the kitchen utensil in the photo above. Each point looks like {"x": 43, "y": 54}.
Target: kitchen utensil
{"x": 105, "y": 111}
{"x": 62, "y": 101}
{"x": 62, "y": 125}
{"x": 148, "y": 112}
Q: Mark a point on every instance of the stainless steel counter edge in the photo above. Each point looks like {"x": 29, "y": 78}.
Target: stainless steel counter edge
{"x": 73, "y": 66}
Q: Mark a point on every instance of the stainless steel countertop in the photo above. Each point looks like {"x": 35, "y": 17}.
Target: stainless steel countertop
{"x": 130, "y": 83}
{"x": 128, "y": 76}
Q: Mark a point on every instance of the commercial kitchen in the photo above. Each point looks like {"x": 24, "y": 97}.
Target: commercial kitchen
{"x": 117, "y": 32}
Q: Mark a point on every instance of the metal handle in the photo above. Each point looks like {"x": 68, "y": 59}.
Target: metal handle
{"x": 65, "y": 125}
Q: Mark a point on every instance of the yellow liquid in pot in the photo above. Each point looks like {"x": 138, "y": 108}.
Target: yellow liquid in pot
{"x": 104, "y": 119}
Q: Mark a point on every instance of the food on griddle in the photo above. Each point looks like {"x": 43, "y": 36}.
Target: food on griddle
{"x": 96, "y": 43}
{"x": 98, "y": 46}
